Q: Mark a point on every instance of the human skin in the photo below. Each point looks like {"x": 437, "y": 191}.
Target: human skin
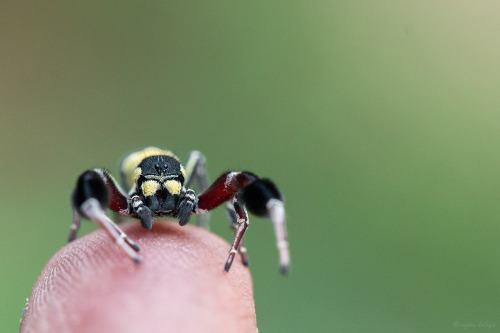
{"x": 180, "y": 285}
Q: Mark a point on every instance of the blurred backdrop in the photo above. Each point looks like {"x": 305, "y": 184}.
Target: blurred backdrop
{"x": 379, "y": 120}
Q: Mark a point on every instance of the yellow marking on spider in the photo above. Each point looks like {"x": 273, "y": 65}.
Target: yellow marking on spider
{"x": 132, "y": 160}
{"x": 137, "y": 174}
{"x": 149, "y": 187}
{"x": 173, "y": 186}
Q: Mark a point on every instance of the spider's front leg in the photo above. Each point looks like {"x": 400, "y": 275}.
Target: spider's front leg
{"x": 139, "y": 209}
{"x": 187, "y": 205}
{"x": 95, "y": 191}
{"x": 260, "y": 197}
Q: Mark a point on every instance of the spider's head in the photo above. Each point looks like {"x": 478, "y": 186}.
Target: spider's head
{"x": 160, "y": 179}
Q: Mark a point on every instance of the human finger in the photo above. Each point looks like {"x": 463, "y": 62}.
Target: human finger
{"x": 180, "y": 286}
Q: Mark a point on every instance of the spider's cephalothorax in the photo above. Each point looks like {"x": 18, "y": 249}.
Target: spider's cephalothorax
{"x": 158, "y": 185}
{"x": 155, "y": 182}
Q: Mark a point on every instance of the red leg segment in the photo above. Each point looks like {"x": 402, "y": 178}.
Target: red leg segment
{"x": 224, "y": 188}
{"x": 117, "y": 199}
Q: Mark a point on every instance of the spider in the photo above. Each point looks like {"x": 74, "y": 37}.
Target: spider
{"x": 158, "y": 185}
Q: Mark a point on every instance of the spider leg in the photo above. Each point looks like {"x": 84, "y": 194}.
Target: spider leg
{"x": 125, "y": 237}
{"x": 276, "y": 210}
{"x": 239, "y": 230}
{"x": 260, "y": 197}
{"x": 196, "y": 170}
{"x": 95, "y": 191}
{"x": 144, "y": 214}
{"x": 91, "y": 208}
{"x": 75, "y": 226}
{"x": 186, "y": 207}
{"x": 233, "y": 221}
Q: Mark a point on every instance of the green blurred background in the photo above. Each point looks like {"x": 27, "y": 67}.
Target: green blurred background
{"x": 379, "y": 120}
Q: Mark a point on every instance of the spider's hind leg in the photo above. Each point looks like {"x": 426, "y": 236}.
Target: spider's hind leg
{"x": 196, "y": 171}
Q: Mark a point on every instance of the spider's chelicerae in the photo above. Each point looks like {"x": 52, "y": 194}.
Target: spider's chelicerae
{"x": 158, "y": 185}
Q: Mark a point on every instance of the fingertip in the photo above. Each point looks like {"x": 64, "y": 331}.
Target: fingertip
{"x": 180, "y": 286}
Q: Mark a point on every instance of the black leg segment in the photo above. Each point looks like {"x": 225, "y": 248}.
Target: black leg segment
{"x": 100, "y": 185}
{"x": 90, "y": 185}
{"x": 257, "y": 194}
